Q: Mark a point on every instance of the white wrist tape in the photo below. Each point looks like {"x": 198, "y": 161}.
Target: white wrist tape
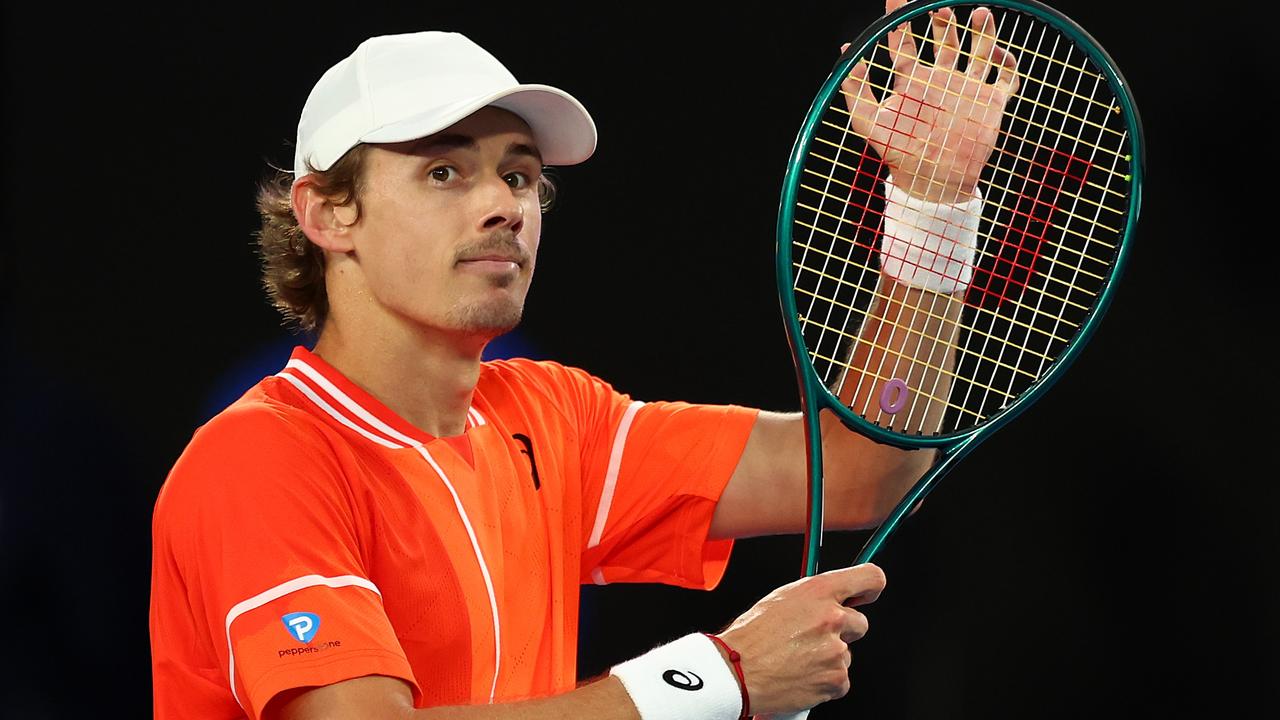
{"x": 686, "y": 678}
{"x": 929, "y": 245}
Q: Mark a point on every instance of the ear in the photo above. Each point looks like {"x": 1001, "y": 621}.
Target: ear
{"x": 325, "y": 224}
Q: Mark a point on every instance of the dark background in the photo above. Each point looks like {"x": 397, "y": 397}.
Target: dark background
{"x": 1115, "y": 547}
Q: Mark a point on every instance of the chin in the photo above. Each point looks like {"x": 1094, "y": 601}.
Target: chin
{"x": 490, "y": 318}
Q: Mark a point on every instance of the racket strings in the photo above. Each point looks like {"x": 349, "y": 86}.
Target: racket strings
{"x": 925, "y": 364}
{"x": 1056, "y": 96}
{"x": 1022, "y": 144}
{"x": 859, "y": 220}
{"x": 1013, "y": 173}
{"x": 1079, "y": 148}
{"x": 914, "y": 367}
{"x": 940, "y": 400}
{"x": 960, "y": 327}
{"x": 981, "y": 252}
{"x": 1008, "y": 42}
{"x": 1031, "y": 123}
{"x": 877, "y": 295}
{"x": 1046, "y": 248}
{"x": 1058, "y": 289}
{"x": 1038, "y": 125}
{"x": 931, "y": 315}
{"x": 1110, "y": 108}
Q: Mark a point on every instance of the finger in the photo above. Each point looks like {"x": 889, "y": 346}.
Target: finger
{"x": 845, "y": 48}
{"x": 865, "y": 597}
{"x": 983, "y": 25}
{"x": 891, "y": 5}
{"x": 855, "y": 626}
{"x": 857, "y": 585}
{"x": 858, "y": 96}
{"x": 902, "y": 49}
{"x": 1007, "y": 78}
{"x": 946, "y": 38}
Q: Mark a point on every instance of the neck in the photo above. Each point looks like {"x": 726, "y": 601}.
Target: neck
{"x": 424, "y": 376}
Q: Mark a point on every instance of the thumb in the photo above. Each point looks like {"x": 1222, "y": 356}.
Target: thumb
{"x": 859, "y": 99}
{"x": 857, "y": 585}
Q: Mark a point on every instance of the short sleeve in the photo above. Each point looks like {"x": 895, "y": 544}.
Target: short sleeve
{"x": 258, "y": 551}
{"x": 656, "y": 493}
{"x": 652, "y": 474}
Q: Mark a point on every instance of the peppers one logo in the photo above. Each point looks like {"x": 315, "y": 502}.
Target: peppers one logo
{"x": 682, "y": 680}
{"x": 302, "y": 625}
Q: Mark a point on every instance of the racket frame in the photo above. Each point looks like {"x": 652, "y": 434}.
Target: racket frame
{"x": 814, "y": 395}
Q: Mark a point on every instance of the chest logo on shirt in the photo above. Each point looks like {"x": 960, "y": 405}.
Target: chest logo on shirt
{"x": 302, "y": 625}
{"x": 528, "y": 450}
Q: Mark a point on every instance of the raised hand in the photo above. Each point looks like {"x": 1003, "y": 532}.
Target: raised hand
{"x": 936, "y": 128}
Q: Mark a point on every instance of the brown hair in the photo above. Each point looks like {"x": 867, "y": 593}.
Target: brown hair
{"x": 293, "y": 266}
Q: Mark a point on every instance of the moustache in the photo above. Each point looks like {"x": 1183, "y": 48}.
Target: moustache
{"x": 501, "y": 245}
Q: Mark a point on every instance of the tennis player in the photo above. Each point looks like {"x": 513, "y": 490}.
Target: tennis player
{"x": 390, "y": 527}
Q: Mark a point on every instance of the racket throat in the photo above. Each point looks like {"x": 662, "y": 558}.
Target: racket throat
{"x": 814, "y": 506}
{"x": 916, "y": 495}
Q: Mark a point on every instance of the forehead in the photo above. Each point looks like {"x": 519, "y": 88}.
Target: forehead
{"x": 492, "y": 123}
{"x": 488, "y": 129}
{"x": 492, "y": 119}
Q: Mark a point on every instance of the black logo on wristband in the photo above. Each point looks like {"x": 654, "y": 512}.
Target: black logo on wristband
{"x": 681, "y": 680}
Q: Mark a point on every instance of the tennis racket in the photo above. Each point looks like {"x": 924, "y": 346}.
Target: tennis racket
{"x": 1060, "y": 188}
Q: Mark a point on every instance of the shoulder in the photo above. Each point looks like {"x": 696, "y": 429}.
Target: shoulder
{"x": 578, "y": 397}
{"x": 257, "y": 426}
{"x": 546, "y": 378}
{"x": 259, "y": 447}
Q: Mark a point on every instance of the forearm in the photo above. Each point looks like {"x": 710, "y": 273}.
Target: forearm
{"x": 898, "y": 376}
{"x": 606, "y": 699}
{"x": 909, "y": 336}
{"x": 384, "y": 698}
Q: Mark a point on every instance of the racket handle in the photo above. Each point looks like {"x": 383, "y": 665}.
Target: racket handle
{"x": 793, "y": 716}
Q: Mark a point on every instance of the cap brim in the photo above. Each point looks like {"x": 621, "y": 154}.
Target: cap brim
{"x": 564, "y": 131}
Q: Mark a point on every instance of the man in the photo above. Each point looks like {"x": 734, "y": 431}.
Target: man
{"x": 390, "y": 523}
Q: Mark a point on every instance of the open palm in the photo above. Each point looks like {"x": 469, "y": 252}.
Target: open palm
{"x": 937, "y": 127}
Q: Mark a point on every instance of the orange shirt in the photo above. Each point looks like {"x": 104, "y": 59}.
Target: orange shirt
{"x": 309, "y": 535}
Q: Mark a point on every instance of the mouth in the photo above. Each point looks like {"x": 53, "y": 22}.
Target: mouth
{"x": 492, "y": 263}
{"x": 496, "y": 258}
{"x": 499, "y": 255}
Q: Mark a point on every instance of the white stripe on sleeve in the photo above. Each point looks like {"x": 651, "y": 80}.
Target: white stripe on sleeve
{"x": 275, "y": 593}
{"x": 611, "y": 475}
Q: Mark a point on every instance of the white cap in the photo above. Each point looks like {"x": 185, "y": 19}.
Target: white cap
{"x": 403, "y": 87}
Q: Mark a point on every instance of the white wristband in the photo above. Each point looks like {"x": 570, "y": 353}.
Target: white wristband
{"x": 929, "y": 245}
{"x": 686, "y": 678}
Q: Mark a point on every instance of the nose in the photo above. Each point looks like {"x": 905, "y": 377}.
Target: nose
{"x": 502, "y": 207}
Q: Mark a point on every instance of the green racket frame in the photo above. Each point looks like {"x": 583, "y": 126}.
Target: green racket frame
{"x": 814, "y": 396}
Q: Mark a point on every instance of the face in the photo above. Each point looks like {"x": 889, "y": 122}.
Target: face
{"x": 449, "y": 225}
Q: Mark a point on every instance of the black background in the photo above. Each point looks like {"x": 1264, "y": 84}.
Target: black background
{"x": 1115, "y": 547}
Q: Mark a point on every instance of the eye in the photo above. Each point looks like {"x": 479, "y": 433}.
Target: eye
{"x": 517, "y": 180}
{"x": 444, "y": 173}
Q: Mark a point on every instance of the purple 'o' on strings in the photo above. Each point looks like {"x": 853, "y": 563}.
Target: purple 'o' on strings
{"x": 894, "y": 396}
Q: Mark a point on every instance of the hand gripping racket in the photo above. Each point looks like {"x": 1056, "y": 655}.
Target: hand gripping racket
{"x": 1060, "y": 188}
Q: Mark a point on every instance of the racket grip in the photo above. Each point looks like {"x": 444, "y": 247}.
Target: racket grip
{"x": 793, "y": 716}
